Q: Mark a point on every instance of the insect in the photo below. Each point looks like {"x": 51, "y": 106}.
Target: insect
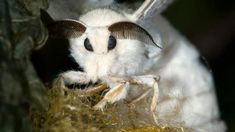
{"x": 112, "y": 48}
{"x": 116, "y": 48}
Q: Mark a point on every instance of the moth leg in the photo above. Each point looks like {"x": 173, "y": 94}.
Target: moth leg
{"x": 72, "y": 77}
{"x": 140, "y": 97}
{"x": 93, "y": 90}
{"x": 118, "y": 79}
{"x": 150, "y": 81}
{"x": 114, "y": 94}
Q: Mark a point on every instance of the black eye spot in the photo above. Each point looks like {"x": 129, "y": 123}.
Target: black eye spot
{"x": 88, "y": 45}
{"x": 112, "y": 42}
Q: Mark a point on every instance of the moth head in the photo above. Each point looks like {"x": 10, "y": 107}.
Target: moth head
{"x": 101, "y": 37}
{"x": 99, "y": 40}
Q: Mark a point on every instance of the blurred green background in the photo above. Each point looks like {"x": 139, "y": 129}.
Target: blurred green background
{"x": 210, "y": 26}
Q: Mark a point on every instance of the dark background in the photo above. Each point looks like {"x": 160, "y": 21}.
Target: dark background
{"x": 210, "y": 26}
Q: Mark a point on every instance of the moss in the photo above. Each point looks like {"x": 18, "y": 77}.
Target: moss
{"x": 71, "y": 110}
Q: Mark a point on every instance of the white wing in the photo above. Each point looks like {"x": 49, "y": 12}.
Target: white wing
{"x": 61, "y": 9}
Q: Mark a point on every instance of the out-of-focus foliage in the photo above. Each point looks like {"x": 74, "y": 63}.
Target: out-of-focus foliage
{"x": 20, "y": 32}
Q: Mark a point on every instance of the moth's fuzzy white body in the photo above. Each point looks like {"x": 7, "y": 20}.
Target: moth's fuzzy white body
{"x": 186, "y": 87}
{"x": 128, "y": 58}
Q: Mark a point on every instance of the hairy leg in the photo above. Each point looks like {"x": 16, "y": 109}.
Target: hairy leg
{"x": 71, "y": 77}
{"x": 150, "y": 81}
{"x": 114, "y": 94}
{"x": 119, "y": 91}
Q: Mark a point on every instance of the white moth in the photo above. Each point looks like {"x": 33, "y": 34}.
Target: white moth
{"x": 110, "y": 46}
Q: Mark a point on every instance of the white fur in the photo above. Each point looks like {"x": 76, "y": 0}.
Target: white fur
{"x": 102, "y": 18}
{"x": 124, "y": 60}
